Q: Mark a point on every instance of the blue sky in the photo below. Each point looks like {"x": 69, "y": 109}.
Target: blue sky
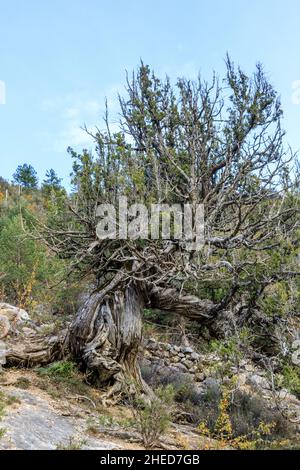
{"x": 60, "y": 58}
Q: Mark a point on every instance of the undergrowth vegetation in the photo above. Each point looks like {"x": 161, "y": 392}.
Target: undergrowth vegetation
{"x": 211, "y": 408}
{"x": 153, "y": 417}
{"x": 62, "y": 376}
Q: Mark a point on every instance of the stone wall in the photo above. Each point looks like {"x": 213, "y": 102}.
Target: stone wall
{"x": 180, "y": 358}
{"x": 166, "y": 358}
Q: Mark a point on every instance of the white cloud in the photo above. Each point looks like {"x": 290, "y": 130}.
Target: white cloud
{"x": 92, "y": 107}
{"x": 72, "y": 135}
{"x": 74, "y": 111}
{"x": 2, "y": 92}
{"x": 296, "y": 92}
{"x": 49, "y": 105}
{"x": 71, "y": 113}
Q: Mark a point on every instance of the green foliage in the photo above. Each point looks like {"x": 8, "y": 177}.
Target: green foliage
{"x": 63, "y": 377}
{"x": 158, "y": 324}
{"x": 27, "y": 266}
{"x": 51, "y": 181}
{"x": 23, "y": 260}
{"x": 291, "y": 379}
{"x": 223, "y": 430}
{"x": 73, "y": 443}
{"x": 54, "y": 195}
{"x": 279, "y": 299}
{"x": 242, "y": 414}
{"x": 30, "y": 275}
{"x": 183, "y": 142}
{"x": 247, "y": 412}
{"x": 64, "y": 299}
{"x": 231, "y": 351}
{"x": 59, "y": 369}
{"x": 153, "y": 418}
{"x": 26, "y": 176}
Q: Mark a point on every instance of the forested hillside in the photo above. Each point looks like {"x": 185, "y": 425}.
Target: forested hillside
{"x": 31, "y": 275}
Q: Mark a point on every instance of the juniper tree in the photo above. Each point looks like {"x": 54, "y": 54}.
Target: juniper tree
{"x": 217, "y": 143}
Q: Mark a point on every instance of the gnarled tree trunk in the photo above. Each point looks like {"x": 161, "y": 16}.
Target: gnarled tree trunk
{"x": 33, "y": 351}
{"x": 106, "y": 334}
{"x": 105, "y": 338}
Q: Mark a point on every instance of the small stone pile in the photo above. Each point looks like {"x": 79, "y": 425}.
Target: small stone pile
{"x": 181, "y": 358}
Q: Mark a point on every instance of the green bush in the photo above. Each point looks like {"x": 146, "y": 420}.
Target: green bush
{"x": 291, "y": 379}
{"x": 152, "y": 418}
{"x": 27, "y": 267}
{"x": 59, "y": 369}
{"x": 247, "y": 412}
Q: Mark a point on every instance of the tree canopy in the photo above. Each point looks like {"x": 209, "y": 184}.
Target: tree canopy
{"x": 218, "y": 143}
{"x": 26, "y": 176}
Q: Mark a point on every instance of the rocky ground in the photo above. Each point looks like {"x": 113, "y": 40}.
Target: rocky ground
{"x": 165, "y": 359}
{"x": 39, "y": 414}
{"x": 34, "y": 418}
{"x": 43, "y": 411}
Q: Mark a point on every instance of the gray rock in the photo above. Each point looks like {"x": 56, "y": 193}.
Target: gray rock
{"x": 188, "y": 364}
{"x": 181, "y": 366}
{"x": 195, "y": 356}
{"x": 200, "y": 376}
{"x": 28, "y": 331}
{"x": 12, "y": 312}
{"x": 35, "y": 424}
{"x": 258, "y": 382}
{"x": 3, "y": 352}
{"x": 210, "y": 382}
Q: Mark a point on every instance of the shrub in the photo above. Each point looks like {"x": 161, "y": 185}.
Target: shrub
{"x": 291, "y": 379}
{"x": 62, "y": 375}
{"x": 223, "y": 430}
{"x": 65, "y": 369}
{"x": 153, "y": 418}
{"x": 72, "y": 444}
{"x": 22, "y": 382}
{"x": 247, "y": 412}
{"x": 195, "y": 405}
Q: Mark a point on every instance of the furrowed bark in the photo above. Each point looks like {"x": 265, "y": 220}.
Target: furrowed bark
{"x": 36, "y": 351}
{"x": 188, "y": 306}
{"x": 105, "y": 338}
